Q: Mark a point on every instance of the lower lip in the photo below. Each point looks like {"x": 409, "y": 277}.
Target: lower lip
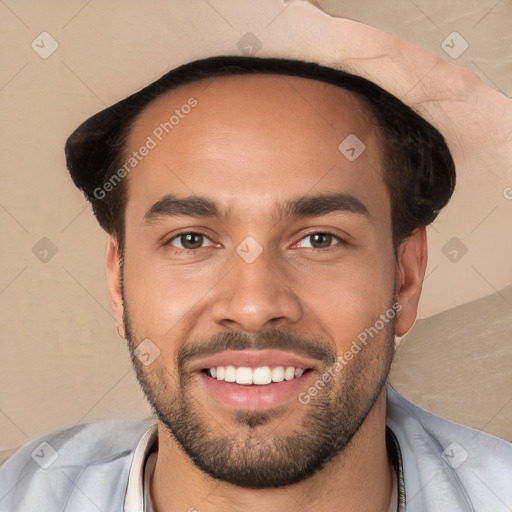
{"x": 252, "y": 396}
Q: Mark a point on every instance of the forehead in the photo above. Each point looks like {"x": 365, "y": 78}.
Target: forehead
{"x": 264, "y": 100}
{"x": 255, "y": 136}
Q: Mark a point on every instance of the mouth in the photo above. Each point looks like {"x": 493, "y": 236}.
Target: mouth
{"x": 255, "y": 379}
{"x": 254, "y": 388}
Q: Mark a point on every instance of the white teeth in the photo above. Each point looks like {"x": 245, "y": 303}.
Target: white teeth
{"x": 262, "y": 375}
{"x": 289, "y": 373}
{"x": 278, "y": 374}
{"x": 230, "y": 375}
{"x": 243, "y": 375}
{"x": 259, "y": 376}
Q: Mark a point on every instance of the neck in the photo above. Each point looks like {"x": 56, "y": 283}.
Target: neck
{"x": 359, "y": 478}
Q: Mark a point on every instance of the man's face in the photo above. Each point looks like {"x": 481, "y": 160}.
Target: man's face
{"x": 261, "y": 272}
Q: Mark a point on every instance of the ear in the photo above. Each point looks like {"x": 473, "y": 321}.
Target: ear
{"x": 114, "y": 282}
{"x": 411, "y": 265}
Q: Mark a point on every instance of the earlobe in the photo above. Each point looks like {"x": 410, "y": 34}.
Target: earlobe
{"x": 410, "y": 272}
{"x": 114, "y": 282}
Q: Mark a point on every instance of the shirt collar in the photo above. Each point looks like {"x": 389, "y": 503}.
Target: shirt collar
{"x": 134, "y": 498}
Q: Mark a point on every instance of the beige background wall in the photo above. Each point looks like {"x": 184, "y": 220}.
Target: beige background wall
{"x": 61, "y": 361}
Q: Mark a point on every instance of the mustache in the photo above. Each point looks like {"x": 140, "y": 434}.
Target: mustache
{"x": 269, "y": 339}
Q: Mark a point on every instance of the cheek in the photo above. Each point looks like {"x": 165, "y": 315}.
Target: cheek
{"x": 163, "y": 298}
{"x": 348, "y": 298}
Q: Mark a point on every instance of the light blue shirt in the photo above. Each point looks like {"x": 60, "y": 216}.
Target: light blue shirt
{"x": 446, "y": 467}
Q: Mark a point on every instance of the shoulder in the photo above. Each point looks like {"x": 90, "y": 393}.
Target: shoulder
{"x": 448, "y": 465}
{"x": 67, "y": 468}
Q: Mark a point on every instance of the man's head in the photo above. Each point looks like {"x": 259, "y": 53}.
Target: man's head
{"x": 276, "y": 221}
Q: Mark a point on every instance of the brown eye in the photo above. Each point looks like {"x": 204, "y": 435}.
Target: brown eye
{"x": 319, "y": 240}
{"x": 188, "y": 241}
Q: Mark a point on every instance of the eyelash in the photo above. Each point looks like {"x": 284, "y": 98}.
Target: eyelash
{"x": 177, "y": 250}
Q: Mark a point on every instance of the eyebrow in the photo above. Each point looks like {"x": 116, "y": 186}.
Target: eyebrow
{"x": 318, "y": 205}
{"x": 306, "y": 206}
{"x": 173, "y": 206}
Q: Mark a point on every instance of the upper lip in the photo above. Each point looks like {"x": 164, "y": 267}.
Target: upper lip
{"x": 255, "y": 359}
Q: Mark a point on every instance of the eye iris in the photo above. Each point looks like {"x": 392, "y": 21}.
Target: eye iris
{"x": 191, "y": 240}
{"x": 321, "y": 240}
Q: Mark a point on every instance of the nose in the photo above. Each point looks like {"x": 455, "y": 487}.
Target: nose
{"x": 255, "y": 296}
